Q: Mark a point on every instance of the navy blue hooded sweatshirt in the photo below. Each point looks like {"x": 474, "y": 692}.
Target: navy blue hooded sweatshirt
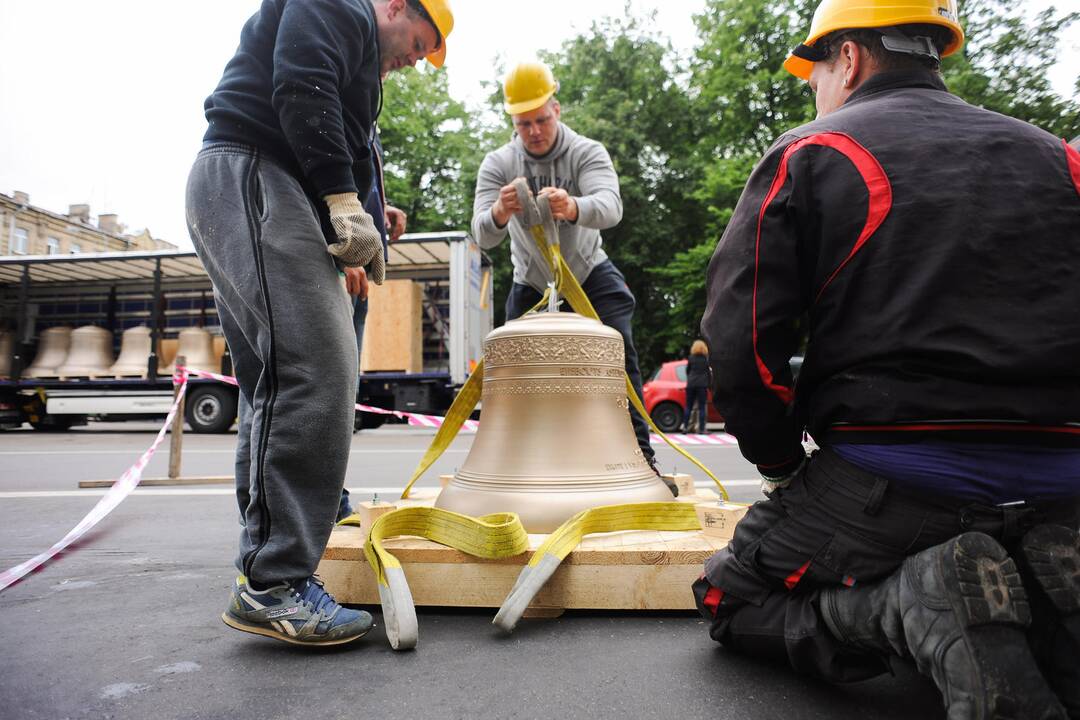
{"x": 304, "y": 89}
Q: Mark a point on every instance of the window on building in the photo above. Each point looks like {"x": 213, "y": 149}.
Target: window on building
{"x": 75, "y": 248}
{"x": 52, "y": 246}
{"x": 20, "y": 241}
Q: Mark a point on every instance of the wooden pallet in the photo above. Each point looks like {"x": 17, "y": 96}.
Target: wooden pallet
{"x": 635, "y": 570}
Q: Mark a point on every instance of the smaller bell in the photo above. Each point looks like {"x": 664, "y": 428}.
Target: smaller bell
{"x": 91, "y": 352}
{"x": 134, "y": 352}
{"x": 196, "y": 346}
{"x": 52, "y": 351}
{"x": 7, "y": 345}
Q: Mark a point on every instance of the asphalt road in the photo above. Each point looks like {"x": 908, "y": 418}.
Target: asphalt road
{"x": 127, "y": 623}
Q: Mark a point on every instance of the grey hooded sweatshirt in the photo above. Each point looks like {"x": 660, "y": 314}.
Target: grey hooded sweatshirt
{"x": 576, "y": 164}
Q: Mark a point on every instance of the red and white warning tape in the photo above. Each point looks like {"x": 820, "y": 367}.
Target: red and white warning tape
{"x": 113, "y": 497}
{"x": 415, "y": 419}
{"x": 691, "y": 439}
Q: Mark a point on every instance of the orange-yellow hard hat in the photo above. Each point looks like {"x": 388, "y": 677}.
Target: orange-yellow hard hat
{"x": 833, "y": 15}
{"x": 443, "y": 17}
{"x": 528, "y": 86}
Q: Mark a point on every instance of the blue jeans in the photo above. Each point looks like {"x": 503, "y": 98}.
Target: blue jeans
{"x": 614, "y": 303}
{"x": 359, "y": 318}
{"x": 696, "y": 396}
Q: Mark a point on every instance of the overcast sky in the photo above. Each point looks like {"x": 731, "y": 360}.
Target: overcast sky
{"x": 102, "y": 100}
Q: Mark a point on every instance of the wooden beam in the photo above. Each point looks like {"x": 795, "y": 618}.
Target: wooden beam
{"x": 165, "y": 481}
{"x": 634, "y": 570}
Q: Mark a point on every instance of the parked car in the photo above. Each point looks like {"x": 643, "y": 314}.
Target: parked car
{"x": 665, "y": 395}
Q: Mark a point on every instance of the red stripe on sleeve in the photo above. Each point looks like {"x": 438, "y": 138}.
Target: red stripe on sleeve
{"x": 1073, "y": 158}
{"x": 880, "y": 192}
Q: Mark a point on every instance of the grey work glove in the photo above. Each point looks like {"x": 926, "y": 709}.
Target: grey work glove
{"x": 359, "y": 243}
{"x": 769, "y": 485}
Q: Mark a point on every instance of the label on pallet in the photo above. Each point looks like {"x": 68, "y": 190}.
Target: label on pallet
{"x": 718, "y": 519}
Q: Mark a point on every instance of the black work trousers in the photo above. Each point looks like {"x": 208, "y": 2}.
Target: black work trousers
{"x": 835, "y": 525}
{"x": 614, "y": 303}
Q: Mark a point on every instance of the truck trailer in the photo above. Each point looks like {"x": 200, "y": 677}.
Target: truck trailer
{"x": 168, "y": 291}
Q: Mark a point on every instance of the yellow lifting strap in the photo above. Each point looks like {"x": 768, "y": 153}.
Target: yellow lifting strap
{"x": 499, "y": 535}
{"x": 609, "y": 518}
{"x": 493, "y": 536}
{"x": 469, "y": 396}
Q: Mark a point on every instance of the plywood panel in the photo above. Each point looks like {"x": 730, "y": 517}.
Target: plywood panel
{"x": 219, "y": 351}
{"x": 393, "y": 335}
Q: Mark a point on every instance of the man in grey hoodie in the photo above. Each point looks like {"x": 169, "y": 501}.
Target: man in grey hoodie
{"x": 583, "y": 190}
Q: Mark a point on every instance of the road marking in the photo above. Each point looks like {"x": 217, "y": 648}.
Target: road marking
{"x": 231, "y": 451}
{"x": 224, "y": 451}
{"x": 201, "y": 492}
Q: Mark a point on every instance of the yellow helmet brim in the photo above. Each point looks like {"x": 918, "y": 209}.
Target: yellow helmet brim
{"x": 438, "y": 57}
{"x": 834, "y": 15}
{"x": 443, "y": 17}
{"x": 527, "y": 105}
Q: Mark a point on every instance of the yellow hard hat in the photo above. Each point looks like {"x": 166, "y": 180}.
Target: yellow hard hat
{"x": 528, "y": 86}
{"x": 833, "y": 15}
{"x": 443, "y": 17}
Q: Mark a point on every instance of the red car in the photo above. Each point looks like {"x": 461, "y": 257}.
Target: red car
{"x": 665, "y": 394}
{"x": 665, "y": 397}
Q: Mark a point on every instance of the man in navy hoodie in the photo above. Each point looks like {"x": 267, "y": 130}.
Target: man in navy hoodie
{"x": 274, "y": 210}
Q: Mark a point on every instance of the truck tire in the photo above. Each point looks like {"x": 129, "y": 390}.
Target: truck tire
{"x": 369, "y": 421}
{"x": 667, "y": 416}
{"x": 54, "y": 423}
{"x": 210, "y": 409}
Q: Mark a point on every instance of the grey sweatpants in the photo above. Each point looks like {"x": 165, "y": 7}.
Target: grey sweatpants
{"x": 288, "y": 321}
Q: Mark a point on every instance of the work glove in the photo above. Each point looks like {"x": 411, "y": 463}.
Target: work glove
{"x": 359, "y": 243}
{"x": 769, "y": 484}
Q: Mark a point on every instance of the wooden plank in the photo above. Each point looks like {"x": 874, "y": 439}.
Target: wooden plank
{"x": 161, "y": 482}
{"x": 573, "y": 586}
{"x": 393, "y": 338}
{"x": 629, "y": 570}
{"x": 631, "y": 547}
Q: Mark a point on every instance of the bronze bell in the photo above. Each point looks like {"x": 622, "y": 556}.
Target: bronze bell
{"x": 555, "y": 437}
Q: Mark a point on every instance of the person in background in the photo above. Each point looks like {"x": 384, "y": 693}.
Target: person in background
{"x": 698, "y": 380}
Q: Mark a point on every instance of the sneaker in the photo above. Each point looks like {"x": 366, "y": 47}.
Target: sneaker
{"x": 302, "y": 613}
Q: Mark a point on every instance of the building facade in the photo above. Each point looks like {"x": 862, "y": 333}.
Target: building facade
{"x": 29, "y": 230}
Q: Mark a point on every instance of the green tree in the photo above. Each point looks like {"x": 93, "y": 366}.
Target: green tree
{"x": 432, "y": 146}
{"x": 1005, "y": 63}
{"x": 621, "y": 85}
{"x": 743, "y": 100}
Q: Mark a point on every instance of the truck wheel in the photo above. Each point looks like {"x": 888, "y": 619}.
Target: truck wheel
{"x": 54, "y": 423}
{"x": 369, "y": 421}
{"x": 667, "y": 416}
{"x": 210, "y": 409}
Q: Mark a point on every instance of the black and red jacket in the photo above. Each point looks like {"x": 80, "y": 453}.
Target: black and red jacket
{"x": 933, "y": 250}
